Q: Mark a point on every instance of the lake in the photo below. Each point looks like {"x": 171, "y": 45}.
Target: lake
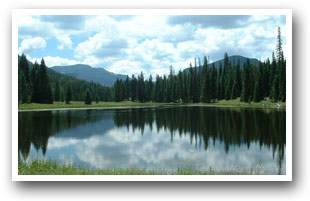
{"x": 163, "y": 138}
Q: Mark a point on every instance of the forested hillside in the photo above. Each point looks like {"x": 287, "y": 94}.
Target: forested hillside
{"x": 39, "y": 84}
{"x": 90, "y": 74}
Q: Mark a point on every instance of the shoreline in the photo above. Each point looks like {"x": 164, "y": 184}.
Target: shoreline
{"x": 128, "y": 105}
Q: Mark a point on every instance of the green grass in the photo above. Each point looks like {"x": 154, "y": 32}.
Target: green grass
{"x": 237, "y": 103}
{"x": 51, "y": 168}
{"x": 79, "y": 104}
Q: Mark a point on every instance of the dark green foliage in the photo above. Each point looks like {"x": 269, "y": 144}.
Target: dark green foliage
{"x": 141, "y": 88}
{"x": 24, "y": 67}
{"x": 44, "y": 81}
{"x": 88, "y": 99}
{"x": 97, "y": 98}
{"x": 246, "y": 85}
{"x": 62, "y": 96}
{"x": 68, "y": 95}
{"x": 133, "y": 88}
{"x": 24, "y": 91}
{"x": 42, "y": 91}
{"x": 57, "y": 91}
{"x": 259, "y": 90}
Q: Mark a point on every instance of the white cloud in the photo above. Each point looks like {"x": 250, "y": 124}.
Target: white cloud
{"x": 151, "y": 44}
{"x": 65, "y": 42}
{"x": 101, "y": 46}
{"x": 126, "y": 67}
{"x": 54, "y": 61}
{"x": 32, "y": 44}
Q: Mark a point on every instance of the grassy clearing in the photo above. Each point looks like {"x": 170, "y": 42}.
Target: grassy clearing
{"x": 51, "y": 168}
{"x": 238, "y": 103}
{"x": 79, "y": 104}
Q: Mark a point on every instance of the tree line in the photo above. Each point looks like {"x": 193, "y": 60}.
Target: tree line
{"x": 206, "y": 83}
{"x": 39, "y": 84}
{"x": 203, "y": 83}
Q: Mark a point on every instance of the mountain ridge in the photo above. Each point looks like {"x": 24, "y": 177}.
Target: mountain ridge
{"x": 89, "y": 73}
{"x": 234, "y": 60}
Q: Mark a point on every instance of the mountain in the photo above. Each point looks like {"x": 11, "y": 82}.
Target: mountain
{"x": 88, "y": 73}
{"x": 234, "y": 60}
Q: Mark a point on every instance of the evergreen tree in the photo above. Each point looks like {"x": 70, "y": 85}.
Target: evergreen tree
{"x": 246, "y": 93}
{"x": 117, "y": 90}
{"x": 97, "y": 98}
{"x": 213, "y": 79}
{"x": 258, "y": 91}
{"x": 88, "y": 99}
{"x": 141, "y": 88}
{"x": 24, "y": 67}
{"x": 281, "y": 68}
{"x": 57, "y": 91}
{"x": 24, "y": 89}
{"x": 43, "y": 91}
{"x": 127, "y": 88}
{"x": 205, "y": 89}
{"x": 68, "y": 95}
{"x": 133, "y": 88}
{"x": 62, "y": 96}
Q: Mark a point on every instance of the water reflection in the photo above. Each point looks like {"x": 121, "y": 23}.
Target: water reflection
{"x": 165, "y": 138}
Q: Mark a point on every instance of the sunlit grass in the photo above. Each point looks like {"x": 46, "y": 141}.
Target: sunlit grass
{"x": 38, "y": 167}
{"x": 79, "y": 104}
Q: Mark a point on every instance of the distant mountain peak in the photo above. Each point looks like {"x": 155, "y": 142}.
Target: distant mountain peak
{"x": 234, "y": 59}
{"x": 89, "y": 73}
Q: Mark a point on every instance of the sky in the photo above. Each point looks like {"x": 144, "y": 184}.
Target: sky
{"x": 129, "y": 44}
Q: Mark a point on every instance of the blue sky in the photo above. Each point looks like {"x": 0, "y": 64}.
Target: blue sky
{"x": 131, "y": 44}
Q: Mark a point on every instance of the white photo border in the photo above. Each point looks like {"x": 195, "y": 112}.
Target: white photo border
{"x": 18, "y": 12}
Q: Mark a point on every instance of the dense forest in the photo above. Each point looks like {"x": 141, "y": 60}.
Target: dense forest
{"x": 203, "y": 83}
{"x": 39, "y": 84}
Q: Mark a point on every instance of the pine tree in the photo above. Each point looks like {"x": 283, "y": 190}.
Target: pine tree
{"x": 57, "y": 91}
{"x": 62, "y": 96}
{"x": 97, "y": 98}
{"x": 117, "y": 91}
{"x": 23, "y": 63}
{"x": 127, "y": 88}
{"x": 24, "y": 89}
{"x": 205, "y": 89}
{"x": 68, "y": 95}
{"x": 141, "y": 88}
{"x": 133, "y": 88}
{"x": 246, "y": 93}
{"x": 42, "y": 87}
{"x": 281, "y": 68}
{"x": 258, "y": 91}
{"x": 88, "y": 99}
{"x": 213, "y": 79}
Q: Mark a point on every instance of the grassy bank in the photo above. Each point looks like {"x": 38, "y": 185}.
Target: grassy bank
{"x": 238, "y": 103}
{"x": 51, "y": 168}
{"x": 79, "y": 104}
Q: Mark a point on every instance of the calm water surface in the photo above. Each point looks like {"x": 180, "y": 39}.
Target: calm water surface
{"x": 164, "y": 138}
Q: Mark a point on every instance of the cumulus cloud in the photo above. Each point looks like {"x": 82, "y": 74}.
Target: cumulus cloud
{"x": 101, "y": 46}
{"x": 29, "y": 45}
{"x": 130, "y": 44}
{"x": 55, "y": 61}
{"x": 65, "y": 42}
{"x": 66, "y": 22}
{"x": 217, "y": 21}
